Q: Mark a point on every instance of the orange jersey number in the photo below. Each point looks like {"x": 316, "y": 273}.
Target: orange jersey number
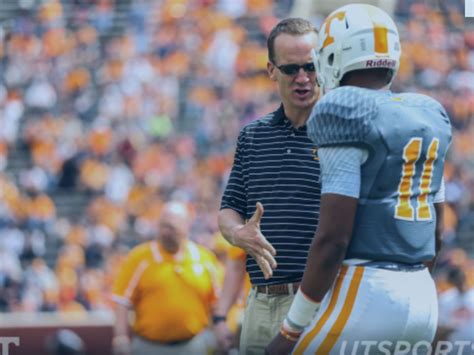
{"x": 411, "y": 154}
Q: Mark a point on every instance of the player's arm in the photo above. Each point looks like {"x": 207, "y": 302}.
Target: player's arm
{"x": 439, "y": 209}
{"x": 341, "y": 187}
{"x": 340, "y": 168}
{"x": 439, "y": 228}
{"x": 329, "y": 245}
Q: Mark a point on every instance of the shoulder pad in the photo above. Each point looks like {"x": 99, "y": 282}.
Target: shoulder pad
{"x": 425, "y": 101}
{"x": 342, "y": 116}
{"x": 419, "y": 99}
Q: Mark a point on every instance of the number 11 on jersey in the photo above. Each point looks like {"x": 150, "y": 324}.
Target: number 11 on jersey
{"x": 411, "y": 154}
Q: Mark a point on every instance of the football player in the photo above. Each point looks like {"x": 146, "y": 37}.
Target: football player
{"x": 367, "y": 284}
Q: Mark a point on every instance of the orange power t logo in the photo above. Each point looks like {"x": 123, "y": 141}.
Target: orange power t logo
{"x": 327, "y": 28}
{"x": 380, "y": 33}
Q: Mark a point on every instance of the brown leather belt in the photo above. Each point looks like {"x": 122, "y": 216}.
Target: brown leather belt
{"x": 281, "y": 289}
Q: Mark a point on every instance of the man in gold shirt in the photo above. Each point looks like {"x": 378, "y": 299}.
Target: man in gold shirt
{"x": 170, "y": 284}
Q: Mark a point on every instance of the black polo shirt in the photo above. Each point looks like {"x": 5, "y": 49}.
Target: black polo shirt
{"x": 277, "y": 165}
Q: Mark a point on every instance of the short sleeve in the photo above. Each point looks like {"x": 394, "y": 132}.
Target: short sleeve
{"x": 342, "y": 117}
{"x": 234, "y": 196}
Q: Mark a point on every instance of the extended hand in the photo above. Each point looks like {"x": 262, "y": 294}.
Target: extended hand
{"x": 250, "y": 238}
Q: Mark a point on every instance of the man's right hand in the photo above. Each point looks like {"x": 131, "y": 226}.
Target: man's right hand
{"x": 121, "y": 345}
{"x": 224, "y": 337}
{"x": 250, "y": 238}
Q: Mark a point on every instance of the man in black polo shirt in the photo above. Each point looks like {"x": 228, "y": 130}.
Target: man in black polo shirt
{"x": 271, "y": 202}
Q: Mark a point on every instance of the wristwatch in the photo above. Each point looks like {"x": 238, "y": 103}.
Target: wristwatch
{"x": 218, "y": 318}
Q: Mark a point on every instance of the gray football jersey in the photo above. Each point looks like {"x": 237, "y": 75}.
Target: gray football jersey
{"x": 407, "y": 137}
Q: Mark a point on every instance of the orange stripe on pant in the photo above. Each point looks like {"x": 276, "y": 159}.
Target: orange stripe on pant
{"x": 332, "y": 303}
{"x": 343, "y": 317}
{"x": 338, "y": 326}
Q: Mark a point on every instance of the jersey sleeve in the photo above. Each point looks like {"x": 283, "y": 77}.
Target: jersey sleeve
{"x": 342, "y": 117}
{"x": 340, "y": 170}
{"x": 234, "y": 196}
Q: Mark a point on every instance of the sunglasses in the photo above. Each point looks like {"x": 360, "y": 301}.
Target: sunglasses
{"x": 292, "y": 69}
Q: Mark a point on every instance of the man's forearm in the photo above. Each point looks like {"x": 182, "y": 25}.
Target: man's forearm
{"x": 233, "y": 281}
{"x": 121, "y": 342}
{"x": 248, "y": 236}
{"x": 439, "y": 229}
{"x": 229, "y": 221}
{"x": 121, "y": 321}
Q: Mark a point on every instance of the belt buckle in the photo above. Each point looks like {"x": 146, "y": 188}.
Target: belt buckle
{"x": 280, "y": 289}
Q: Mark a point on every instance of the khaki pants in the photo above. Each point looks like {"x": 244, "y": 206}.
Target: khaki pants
{"x": 198, "y": 345}
{"x": 263, "y": 317}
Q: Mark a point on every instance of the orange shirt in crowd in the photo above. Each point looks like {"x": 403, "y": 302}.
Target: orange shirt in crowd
{"x": 171, "y": 294}
{"x": 41, "y": 207}
{"x": 100, "y": 140}
{"x": 94, "y": 173}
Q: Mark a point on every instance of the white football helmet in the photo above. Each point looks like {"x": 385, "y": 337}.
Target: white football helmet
{"x": 356, "y": 36}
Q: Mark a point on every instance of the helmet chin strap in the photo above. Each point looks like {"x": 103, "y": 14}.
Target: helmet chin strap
{"x": 337, "y": 71}
{"x": 315, "y": 59}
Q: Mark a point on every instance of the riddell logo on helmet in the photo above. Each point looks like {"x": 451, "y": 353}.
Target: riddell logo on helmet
{"x": 381, "y": 63}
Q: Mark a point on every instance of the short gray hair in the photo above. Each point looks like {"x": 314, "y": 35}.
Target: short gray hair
{"x": 293, "y": 26}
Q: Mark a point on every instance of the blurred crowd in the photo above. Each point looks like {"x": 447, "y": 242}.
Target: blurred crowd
{"x": 137, "y": 102}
